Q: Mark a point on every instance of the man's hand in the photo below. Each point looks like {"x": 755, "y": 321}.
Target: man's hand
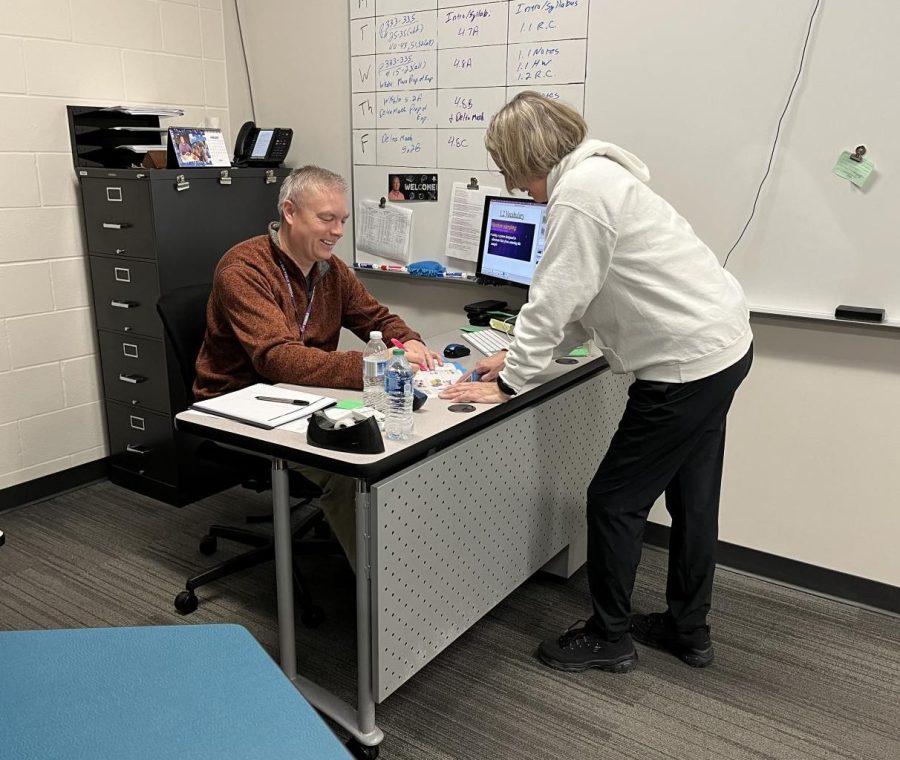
{"x": 478, "y": 393}
{"x": 418, "y": 353}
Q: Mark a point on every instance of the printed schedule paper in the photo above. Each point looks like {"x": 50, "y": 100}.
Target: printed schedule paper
{"x": 384, "y": 231}
{"x": 464, "y": 223}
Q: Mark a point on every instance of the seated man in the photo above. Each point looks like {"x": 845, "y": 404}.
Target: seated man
{"x": 276, "y": 310}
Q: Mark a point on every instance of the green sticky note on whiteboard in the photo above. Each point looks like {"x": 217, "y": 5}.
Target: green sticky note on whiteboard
{"x": 856, "y": 171}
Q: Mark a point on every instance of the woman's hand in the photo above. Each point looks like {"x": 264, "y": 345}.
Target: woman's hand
{"x": 487, "y": 369}
{"x": 418, "y": 353}
{"x": 477, "y": 393}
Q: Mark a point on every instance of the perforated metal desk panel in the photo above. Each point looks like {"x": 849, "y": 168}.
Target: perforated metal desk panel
{"x": 156, "y": 693}
{"x": 455, "y": 534}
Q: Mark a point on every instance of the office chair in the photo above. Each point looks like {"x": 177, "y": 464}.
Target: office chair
{"x": 183, "y": 315}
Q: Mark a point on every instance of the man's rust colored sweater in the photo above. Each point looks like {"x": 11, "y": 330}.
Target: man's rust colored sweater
{"x": 253, "y": 330}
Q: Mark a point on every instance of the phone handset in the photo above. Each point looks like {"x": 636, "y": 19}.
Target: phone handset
{"x": 261, "y": 147}
{"x": 244, "y": 143}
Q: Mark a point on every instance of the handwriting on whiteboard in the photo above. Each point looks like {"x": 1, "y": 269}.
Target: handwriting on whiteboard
{"x": 428, "y": 75}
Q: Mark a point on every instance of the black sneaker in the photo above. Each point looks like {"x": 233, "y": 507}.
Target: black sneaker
{"x": 656, "y": 630}
{"x": 580, "y": 648}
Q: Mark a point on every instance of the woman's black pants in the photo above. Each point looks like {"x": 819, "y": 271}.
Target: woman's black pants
{"x": 671, "y": 439}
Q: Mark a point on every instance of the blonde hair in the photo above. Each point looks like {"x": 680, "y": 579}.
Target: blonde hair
{"x": 306, "y": 178}
{"x": 530, "y": 135}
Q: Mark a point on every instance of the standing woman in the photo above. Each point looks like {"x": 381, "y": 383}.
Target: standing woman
{"x": 622, "y": 267}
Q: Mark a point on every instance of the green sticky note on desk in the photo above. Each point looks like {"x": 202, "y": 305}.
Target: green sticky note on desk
{"x": 856, "y": 171}
{"x": 349, "y": 403}
{"x": 472, "y": 328}
{"x": 579, "y": 351}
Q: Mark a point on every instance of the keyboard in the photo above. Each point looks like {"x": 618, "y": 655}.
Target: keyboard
{"x": 487, "y": 341}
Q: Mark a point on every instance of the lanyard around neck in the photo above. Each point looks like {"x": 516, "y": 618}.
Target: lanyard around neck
{"x": 312, "y": 294}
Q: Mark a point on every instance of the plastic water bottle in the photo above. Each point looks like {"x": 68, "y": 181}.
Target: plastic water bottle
{"x": 375, "y": 361}
{"x": 398, "y": 388}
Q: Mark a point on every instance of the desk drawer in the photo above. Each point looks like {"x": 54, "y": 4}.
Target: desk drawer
{"x": 125, "y": 295}
{"x": 134, "y": 370}
{"x": 142, "y": 441}
{"x": 118, "y": 217}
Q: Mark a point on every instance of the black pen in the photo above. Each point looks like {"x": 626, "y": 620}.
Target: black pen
{"x": 277, "y": 400}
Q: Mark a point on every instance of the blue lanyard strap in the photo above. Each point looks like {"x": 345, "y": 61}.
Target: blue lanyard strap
{"x": 309, "y": 305}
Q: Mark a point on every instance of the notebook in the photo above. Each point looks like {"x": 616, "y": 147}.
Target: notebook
{"x": 244, "y": 405}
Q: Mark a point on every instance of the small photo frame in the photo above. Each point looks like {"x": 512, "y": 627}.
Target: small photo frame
{"x": 194, "y": 147}
{"x": 412, "y": 187}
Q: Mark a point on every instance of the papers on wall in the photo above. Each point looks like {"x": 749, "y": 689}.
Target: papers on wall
{"x": 464, "y": 224}
{"x": 247, "y": 405}
{"x": 384, "y": 232}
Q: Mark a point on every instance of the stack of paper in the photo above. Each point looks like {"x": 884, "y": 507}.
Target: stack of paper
{"x": 432, "y": 382}
{"x": 266, "y": 406}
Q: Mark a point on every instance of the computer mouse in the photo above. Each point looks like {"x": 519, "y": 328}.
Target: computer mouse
{"x": 455, "y": 350}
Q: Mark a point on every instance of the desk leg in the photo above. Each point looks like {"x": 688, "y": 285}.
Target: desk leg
{"x": 284, "y": 576}
{"x": 365, "y": 700}
{"x": 360, "y": 722}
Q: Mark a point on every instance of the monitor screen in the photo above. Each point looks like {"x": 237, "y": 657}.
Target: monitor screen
{"x": 261, "y": 146}
{"x": 512, "y": 239}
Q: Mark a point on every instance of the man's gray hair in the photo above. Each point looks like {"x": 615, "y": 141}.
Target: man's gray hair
{"x": 306, "y": 178}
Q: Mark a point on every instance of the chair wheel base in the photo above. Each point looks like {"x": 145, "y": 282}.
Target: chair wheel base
{"x": 186, "y": 602}
{"x": 362, "y": 751}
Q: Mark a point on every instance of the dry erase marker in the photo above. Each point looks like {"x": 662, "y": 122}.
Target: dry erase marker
{"x": 454, "y": 274}
{"x": 365, "y": 266}
{"x": 391, "y": 268}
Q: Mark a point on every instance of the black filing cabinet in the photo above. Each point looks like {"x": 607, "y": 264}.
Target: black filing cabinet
{"x": 148, "y": 232}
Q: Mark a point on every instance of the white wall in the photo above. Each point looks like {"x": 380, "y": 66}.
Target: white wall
{"x": 54, "y": 53}
{"x": 813, "y": 449}
{"x": 813, "y": 462}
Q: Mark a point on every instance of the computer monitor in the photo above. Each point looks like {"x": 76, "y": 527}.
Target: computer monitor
{"x": 512, "y": 239}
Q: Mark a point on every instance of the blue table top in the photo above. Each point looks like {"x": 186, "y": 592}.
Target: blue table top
{"x": 185, "y": 691}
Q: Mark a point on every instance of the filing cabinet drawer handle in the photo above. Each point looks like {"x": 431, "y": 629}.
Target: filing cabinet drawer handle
{"x": 133, "y": 379}
{"x": 116, "y": 225}
{"x": 123, "y": 304}
{"x": 120, "y": 250}
{"x": 132, "y": 448}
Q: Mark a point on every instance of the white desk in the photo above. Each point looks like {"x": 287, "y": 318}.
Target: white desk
{"x": 449, "y": 522}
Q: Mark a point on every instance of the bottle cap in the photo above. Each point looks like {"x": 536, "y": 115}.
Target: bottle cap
{"x": 399, "y": 352}
{"x": 375, "y": 335}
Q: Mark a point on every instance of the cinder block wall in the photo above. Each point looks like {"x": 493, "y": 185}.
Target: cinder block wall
{"x": 54, "y": 53}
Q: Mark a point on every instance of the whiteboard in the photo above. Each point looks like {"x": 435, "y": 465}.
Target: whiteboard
{"x": 426, "y": 77}
{"x": 695, "y": 88}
